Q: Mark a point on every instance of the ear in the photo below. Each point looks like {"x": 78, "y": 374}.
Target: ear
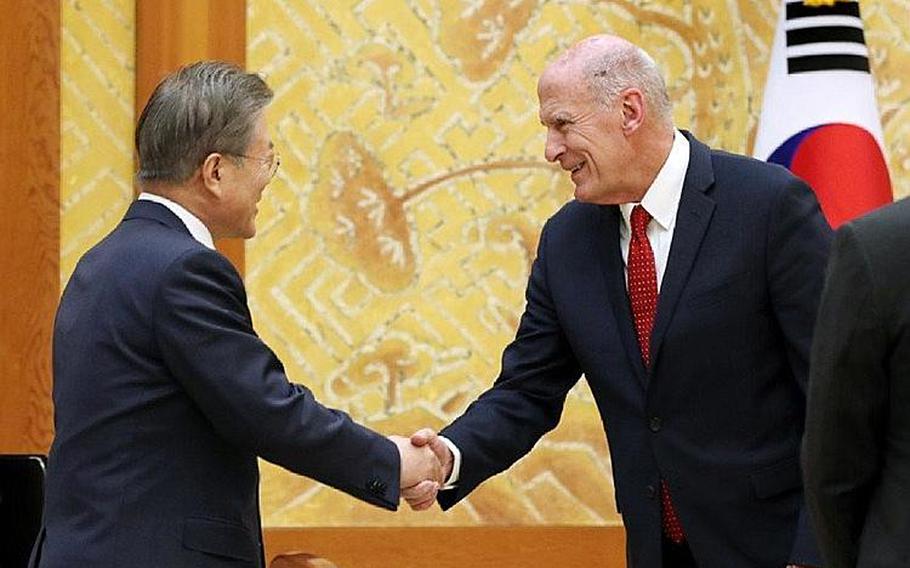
{"x": 633, "y": 110}
{"x": 212, "y": 171}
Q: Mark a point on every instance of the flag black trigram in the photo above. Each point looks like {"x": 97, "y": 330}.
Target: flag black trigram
{"x": 825, "y": 38}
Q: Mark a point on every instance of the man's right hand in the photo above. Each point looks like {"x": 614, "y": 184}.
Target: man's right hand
{"x": 419, "y": 465}
{"x": 423, "y": 495}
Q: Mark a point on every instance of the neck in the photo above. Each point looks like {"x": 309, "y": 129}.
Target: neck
{"x": 652, "y": 150}
{"x": 184, "y": 194}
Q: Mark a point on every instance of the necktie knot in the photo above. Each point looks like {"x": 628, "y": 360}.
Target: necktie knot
{"x": 639, "y": 221}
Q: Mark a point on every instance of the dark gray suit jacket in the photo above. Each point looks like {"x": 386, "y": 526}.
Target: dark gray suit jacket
{"x": 857, "y": 445}
{"x": 720, "y": 414}
{"x": 164, "y": 397}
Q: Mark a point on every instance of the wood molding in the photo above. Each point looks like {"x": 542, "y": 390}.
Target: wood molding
{"x": 29, "y": 221}
{"x": 454, "y": 547}
{"x": 171, "y": 33}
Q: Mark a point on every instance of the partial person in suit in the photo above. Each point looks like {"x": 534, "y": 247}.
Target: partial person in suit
{"x": 164, "y": 395}
{"x": 857, "y": 446}
{"x": 683, "y": 282}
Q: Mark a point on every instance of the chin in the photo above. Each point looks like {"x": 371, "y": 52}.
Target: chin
{"x": 250, "y": 230}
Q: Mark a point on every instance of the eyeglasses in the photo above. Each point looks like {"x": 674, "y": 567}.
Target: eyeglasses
{"x": 272, "y": 162}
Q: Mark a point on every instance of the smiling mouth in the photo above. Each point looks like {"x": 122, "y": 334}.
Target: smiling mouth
{"x": 577, "y": 167}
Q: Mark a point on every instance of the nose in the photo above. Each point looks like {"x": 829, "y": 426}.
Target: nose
{"x": 555, "y": 145}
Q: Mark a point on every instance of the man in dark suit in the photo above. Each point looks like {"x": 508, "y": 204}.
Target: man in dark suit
{"x": 164, "y": 395}
{"x": 857, "y": 445}
{"x": 683, "y": 283}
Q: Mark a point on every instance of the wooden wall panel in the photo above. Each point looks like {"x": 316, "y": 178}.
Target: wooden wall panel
{"x": 171, "y": 33}
{"x": 29, "y": 220}
{"x": 455, "y": 547}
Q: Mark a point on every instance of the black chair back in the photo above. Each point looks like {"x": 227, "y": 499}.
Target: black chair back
{"x": 21, "y": 503}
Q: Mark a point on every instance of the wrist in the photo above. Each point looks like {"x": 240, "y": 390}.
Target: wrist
{"x": 452, "y": 466}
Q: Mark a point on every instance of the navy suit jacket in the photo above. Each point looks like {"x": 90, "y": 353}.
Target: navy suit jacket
{"x": 720, "y": 414}
{"x": 164, "y": 396}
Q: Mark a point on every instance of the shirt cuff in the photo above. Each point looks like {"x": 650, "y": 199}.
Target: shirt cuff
{"x": 456, "y": 464}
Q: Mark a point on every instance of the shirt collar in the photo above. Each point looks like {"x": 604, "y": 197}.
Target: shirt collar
{"x": 196, "y": 227}
{"x": 662, "y": 198}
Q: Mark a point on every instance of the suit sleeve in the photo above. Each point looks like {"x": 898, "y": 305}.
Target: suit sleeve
{"x": 205, "y": 334}
{"x": 799, "y": 239}
{"x": 526, "y": 401}
{"x": 847, "y": 405}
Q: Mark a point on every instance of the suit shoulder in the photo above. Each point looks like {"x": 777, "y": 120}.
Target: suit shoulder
{"x": 893, "y": 218}
{"x": 163, "y": 245}
{"x": 885, "y": 232}
{"x": 757, "y": 187}
{"x": 203, "y": 259}
{"x": 750, "y": 171}
{"x": 880, "y": 242}
{"x": 572, "y": 213}
{"x": 140, "y": 250}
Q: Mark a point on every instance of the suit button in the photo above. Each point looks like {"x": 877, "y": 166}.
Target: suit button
{"x": 376, "y": 486}
{"x": 654, "y": 424}
{"x": 652, "y": 492}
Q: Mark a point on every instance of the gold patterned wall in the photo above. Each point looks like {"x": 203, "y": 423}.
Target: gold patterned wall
{"x": 96, "y": 122}
{"x": 394, "y": 246}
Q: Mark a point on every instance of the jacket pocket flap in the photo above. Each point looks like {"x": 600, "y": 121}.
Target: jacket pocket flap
{"x": 222, "y": 538}
{"x": 778, "y": 478}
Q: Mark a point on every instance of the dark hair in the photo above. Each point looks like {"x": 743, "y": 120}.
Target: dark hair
{"x": 209, "y": 106}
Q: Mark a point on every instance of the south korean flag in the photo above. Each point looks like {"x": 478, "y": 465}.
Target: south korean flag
{"x": 819, "y": 116}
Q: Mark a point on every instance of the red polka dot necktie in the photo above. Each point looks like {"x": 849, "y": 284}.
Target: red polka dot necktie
{"x": 643, "y": 297}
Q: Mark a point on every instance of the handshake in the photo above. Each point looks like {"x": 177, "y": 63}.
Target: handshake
{"x": 426, "y": 464}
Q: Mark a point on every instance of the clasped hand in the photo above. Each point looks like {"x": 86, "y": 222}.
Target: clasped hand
{"x": 426, "y": 464}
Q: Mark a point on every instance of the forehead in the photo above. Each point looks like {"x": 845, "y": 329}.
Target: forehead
{"x": 261, "y": 136}
{"x": 563, "y": 93}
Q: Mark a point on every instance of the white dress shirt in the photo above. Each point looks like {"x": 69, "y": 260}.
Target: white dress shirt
{"x": 196, "y": 227}
{"x": 662, "y": 202}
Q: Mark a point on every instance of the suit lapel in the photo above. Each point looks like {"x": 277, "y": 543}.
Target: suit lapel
{"x": 692, "y": 220}
{"x": 614, "y": 275}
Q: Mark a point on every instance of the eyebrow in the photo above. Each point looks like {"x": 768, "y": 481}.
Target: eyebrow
{"x": 557, "y": 118}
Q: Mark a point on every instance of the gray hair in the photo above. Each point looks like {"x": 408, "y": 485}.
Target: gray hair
{"x": 209, "y": 106}
{"x": 628, "y": 66}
